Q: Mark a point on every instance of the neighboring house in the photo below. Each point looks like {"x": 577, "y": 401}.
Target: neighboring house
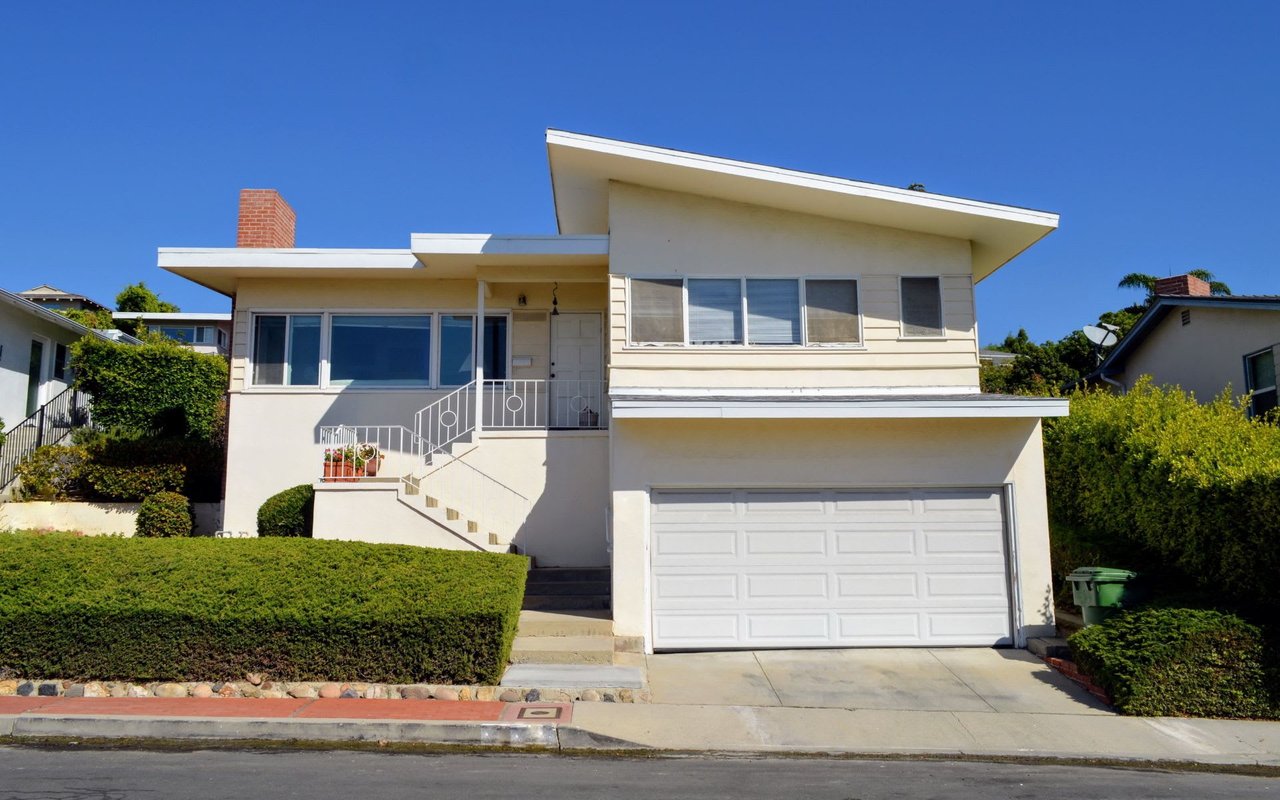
{"x": 50, "y": 297}
{"x": 202, "y": 332}
{"x": 995, "y": 357}
{"x": 35, "y": 377}
{"x": 1202, "y": 343}
{"x": 752, "y": 392}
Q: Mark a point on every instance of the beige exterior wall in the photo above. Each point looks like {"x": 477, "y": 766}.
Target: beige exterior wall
{"x": 373, "y": 513}
{"x": 95, "y": 519}
{"x": 1206, "y": 355}
{"x": 658, "y": 233}
{"x": 826, "y": 453}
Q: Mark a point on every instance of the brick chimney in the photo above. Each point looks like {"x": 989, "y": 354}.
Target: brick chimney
{"x": 266, "y": 220}
{"x": 1182, "y": 286}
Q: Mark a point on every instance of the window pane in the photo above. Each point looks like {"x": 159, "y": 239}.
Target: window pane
{"x": 495, "y": 348}
{"x": 304, "y": 350}
{"x": 657, "y": 310}
{"x": 1262, "y": 370}
{"x": 455, "y": 349}
{"x": 380, "y": 350}
{"x": 773, "y": 312}
{"x": 268, "y": 350}
{"x": 921, "y": 307}
{"x": 60, "y": 361}
{"x": 1264, "y": 402}
{"x": 831, "y": 311}
{"x": 715, "y": 311}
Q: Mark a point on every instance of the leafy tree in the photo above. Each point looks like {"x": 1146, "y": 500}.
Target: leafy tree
{"x": 99, "y": 320}
{"x": 137, "y": 297}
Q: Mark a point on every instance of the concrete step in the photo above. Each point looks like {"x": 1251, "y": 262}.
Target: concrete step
{"x": 561, "y": 602}
{"x": 574, "y": 676}
{"x": 580, "y": 622}
{"x": 570, "y": 588}
{"x": 562, "y": 650}
{"x": 541, "y": 575}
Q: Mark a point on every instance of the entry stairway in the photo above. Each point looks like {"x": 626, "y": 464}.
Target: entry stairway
{"x": 566, "y": 620}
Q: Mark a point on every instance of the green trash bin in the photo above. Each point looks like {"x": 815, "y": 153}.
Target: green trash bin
{"x": 1101, "y": 591}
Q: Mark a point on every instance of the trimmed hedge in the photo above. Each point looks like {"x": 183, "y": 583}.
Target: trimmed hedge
{"x": 124, "y": 469}
{"x": 288, "y": 513}
{"x": 159, "y": 388}
{"x": 1178, "y": 662}
{"x": 164, "y": 514}
{"x": 1195, "y": 487}
{"x": 295, "y": 609}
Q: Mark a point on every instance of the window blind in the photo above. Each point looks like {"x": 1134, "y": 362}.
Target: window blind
{"x": 773, "y": 311}
{"x": 715, "y": 311}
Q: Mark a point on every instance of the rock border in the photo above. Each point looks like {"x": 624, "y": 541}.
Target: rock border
{"x": 258, "y": 686}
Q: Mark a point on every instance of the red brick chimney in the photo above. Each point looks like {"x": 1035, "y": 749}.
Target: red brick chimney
{"x": 266, "y": 220}
{"x": 1182, "y": 286}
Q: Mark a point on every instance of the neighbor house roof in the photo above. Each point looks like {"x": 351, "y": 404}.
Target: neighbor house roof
{"x": 21, "y": 303}
{"x": 1114, "y": 363}
{"x": 173, "y": 316}
{"x": 47, "y": 292}
{"x": 583, "y": 166}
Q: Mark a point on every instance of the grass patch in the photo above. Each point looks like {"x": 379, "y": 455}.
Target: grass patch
{"x": 214, "y": 609}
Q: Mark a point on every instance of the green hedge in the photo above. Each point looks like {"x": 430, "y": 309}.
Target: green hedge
{"x": 214, "y": 609}
{"x": 164, "y": 514}
{"x": 1194, "y": 487}
{"x": 123, "y": 469}
{"x": 157, "y": 389}
{"x": 54, "y": 472}
{"x": 288, "y": 513}
{"x": 1178, "y": 662}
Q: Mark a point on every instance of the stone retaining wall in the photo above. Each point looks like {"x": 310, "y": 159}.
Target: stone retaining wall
{"x": 94, "y": 519}
{"x": 311, "y": 689}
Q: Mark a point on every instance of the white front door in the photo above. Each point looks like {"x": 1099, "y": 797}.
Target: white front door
{"x": 829, "y": 568}
{"x": 577, "y": 366}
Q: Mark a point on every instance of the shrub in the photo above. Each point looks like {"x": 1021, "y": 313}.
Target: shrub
{"x": 53, "y": 471}
{"x": 1194, "y": 486}
{"x": 295, "y": 609}
{"x": 164, "y": 514}
{"x": 130, "y": 468}
{"x": 1177, "y": 662}
{"x": 158, "y": 388}
{"x": 287, "y": 513}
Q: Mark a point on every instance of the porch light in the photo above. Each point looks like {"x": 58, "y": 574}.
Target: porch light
{"x": 521, "y": 300}
{"x": 555, "y": 303}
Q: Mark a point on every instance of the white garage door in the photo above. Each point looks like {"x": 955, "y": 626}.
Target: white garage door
{"x": 762, "y": 568}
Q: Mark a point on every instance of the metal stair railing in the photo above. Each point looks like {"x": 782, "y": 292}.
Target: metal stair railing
{"x": 50, "y": 424}
{"x": 448, "y": 419}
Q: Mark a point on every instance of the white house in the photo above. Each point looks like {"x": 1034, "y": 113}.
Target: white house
{"x": 752, "y": 392}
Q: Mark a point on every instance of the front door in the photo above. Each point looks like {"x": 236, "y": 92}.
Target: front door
{"x": 577, "y": 387}
{"x": 35, "y": 376}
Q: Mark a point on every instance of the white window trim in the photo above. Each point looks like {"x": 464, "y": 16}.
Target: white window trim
{"x": 326, "y": 328}
{"x": 942, "y": 313}
{"x": 1248, "y": 375}
{"x": 804, "y": 343}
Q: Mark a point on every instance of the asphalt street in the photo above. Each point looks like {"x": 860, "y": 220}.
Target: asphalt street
{"x": 74, "y": 774}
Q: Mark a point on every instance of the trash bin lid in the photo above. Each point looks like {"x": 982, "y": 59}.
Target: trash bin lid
{"x": 1101, "y": 574}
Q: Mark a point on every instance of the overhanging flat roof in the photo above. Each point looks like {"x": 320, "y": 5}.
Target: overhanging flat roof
{"x": 643, "y": 405}
{"x": 582, "y": 167}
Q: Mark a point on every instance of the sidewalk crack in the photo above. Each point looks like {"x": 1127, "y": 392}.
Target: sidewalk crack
{"x": 963, "y": 682}
{"x": 765, "y": 673}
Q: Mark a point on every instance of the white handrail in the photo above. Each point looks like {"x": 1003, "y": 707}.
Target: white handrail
{"x": 448, "y": 419}
{"x": 534, "y": 404}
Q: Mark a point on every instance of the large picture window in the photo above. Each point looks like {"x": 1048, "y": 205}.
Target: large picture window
{"x": 374, "y": 350}
{"x": 760, "y": 312}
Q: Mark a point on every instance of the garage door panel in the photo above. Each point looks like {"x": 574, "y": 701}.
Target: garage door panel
{"x": 750, "y": 568}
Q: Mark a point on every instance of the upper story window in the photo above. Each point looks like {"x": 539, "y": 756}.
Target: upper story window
{"x": 760, "y": 312}
{"x": 922, "y": 306}
{"x": 187, "y": 334}
{"x": 373, "y": 350}
{"x": 1260, "y": 378}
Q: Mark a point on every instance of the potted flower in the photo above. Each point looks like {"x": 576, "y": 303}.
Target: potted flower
{"x": 370, "y": 457}
{"x": 343, "y": 464}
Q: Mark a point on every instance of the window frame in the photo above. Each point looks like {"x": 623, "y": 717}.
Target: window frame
{"x": 326, "y": 335}
{"x": 802, "y": 280}
{"x": 1274, "y": 388}
{"x": 942, "y": 313}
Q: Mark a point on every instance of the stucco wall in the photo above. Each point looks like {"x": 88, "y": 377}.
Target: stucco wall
{"x": 1205, "y": 355}
{"x": 658, "y": 233}
{"x": 827, "y": 453}
{"x": 16, "y": 330}
{"x": 371, "y": 513}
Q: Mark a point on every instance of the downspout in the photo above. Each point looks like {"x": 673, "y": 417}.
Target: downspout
{"x": 1114, "y": 383}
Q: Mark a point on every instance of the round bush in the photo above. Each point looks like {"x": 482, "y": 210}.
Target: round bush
{"x": 288, "y": 513}
{"x": 164, "y": 514}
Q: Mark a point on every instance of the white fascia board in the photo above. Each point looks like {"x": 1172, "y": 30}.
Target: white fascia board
{"x": 863, "y": 409}
{"x": 480, "y": 244}
{"x": 686, "y": 393}
{"x": 172, "y": 316}
{"x": 810, "y": 180}
{"x": 275, "y": 258}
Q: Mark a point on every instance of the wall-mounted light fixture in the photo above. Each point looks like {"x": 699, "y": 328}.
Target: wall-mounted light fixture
{"x": 555, "y": 303}
{"x": 522, "y": 300}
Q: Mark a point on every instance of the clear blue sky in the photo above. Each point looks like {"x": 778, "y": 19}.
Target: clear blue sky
{"x": 1151, "y": 127}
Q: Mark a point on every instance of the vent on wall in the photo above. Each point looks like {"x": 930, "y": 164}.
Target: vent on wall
{"x": 1186, "y": 316}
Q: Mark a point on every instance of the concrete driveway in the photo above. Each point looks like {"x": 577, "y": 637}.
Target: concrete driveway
{"x": 906, "y": 679}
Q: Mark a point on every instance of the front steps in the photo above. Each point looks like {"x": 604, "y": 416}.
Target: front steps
{"x": 566, "y": 619}
{"x": 452, "y": 520}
